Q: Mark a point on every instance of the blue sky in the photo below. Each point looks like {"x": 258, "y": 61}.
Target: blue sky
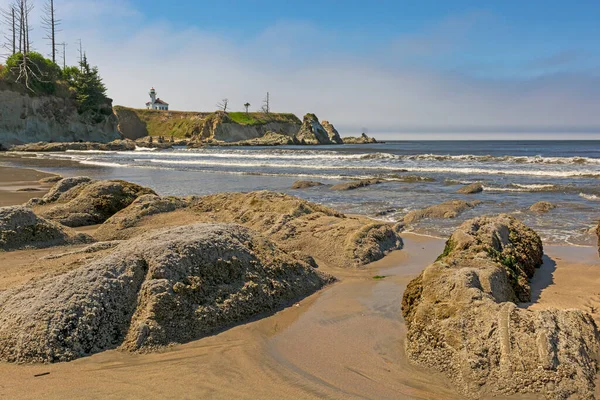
{"x": 396, "y": 68}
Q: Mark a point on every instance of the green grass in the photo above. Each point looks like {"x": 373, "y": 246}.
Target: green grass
{"x": 379, "y": 277}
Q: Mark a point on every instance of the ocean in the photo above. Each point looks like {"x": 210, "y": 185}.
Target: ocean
{"x": 515, "y": 174}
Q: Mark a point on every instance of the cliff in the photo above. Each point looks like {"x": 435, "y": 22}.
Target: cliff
{"x": 26, "y": 119}
{"x": 204, "y": 127}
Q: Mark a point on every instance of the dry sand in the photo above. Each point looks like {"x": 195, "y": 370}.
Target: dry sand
{"x": 343, "y": 342}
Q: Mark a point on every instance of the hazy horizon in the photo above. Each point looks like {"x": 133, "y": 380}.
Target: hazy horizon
{"x": 413, "y": 68}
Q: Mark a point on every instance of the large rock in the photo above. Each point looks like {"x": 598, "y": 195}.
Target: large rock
{"x": 21, "y": 228}
{"x": 334, "y": 135}
{"x": 362, "y": 139}
{"x": 89, "y": 202}
{"x": 448, "y": 209}
{"x": 294, "y": 224}
{"x": 167, "y": 287}
{"x": 63, "y": 190}
{"x": 312, "y": 132}
{"x": 463, "y": 321}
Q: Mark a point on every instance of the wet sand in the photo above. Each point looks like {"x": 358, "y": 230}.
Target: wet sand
{"x": 346, "y": 341}
{"x": 18, "y": 185}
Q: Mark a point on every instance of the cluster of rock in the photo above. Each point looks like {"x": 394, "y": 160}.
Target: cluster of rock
{"x": 148, "y": 283}
{"x": 362, "y": 139}
{"x": 463, "y": 321}
{"x": 115, "y": 145}
{"x": 294, "y": 224}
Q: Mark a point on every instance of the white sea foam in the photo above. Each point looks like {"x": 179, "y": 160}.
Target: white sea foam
{"x": 591, "y": 197}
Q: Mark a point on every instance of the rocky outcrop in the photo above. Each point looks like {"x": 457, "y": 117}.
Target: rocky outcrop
{"x": 362, "y": 139}
{"x": 167, "y": 287}
{"x": 305, "y": 184}
{"x": 312, "y": 132}
{"x": 27, "y": 119}
{"x": 115, "y": 145}
{"x": 268, "y": 139}
{"x": 129, "y": 123}
{"x": 81, "y": 201}
{"x": 294, "y": 224}
{"x": 334, "y": 135}
{"x": 471, "y": 189}
{"x": 448, "y": 209}
{"x": 463, "y": 321}
{"x": 542, "y": 207}
{"x": 356, "y": 184}
{"x": 151, "y": 142}
{"x": 21, "y": 228}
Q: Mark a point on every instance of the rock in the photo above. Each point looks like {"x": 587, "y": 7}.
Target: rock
{"x": 294, "y": 224}
{"x": 21, "y": 228}
{"x": 448, "y": 209}
{"x": 27, "y": 119}
{"x": 29, "y": 189}
{"x": 542, "y": 207}
{"x": 334, "y": 135}
{"x": 356, "y": 184}
{"x": 305, "y": 184}
{"x": 129, "y": 123}
{"x": 312, "y": 132}
{"x": 268, "y": 139}
{"x": 153, "y": 143}
{"x": 170, "y": 286}
{"x": 463, "y": 322}
{"x": 51, "y": 179}
{"x": 598, "y": 234}
{"x": 362, "y": 139}
{"x": 92, "y": 202}
{"x": 115, "y": 145}
{"x": 471, "y": 189}
{"x": 64, "y": 190}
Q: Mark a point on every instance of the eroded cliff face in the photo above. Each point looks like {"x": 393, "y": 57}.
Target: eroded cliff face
{"x": 26, "y": 119}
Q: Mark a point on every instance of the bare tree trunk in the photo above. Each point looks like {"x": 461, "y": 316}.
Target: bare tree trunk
{"x": 14, "y": 33}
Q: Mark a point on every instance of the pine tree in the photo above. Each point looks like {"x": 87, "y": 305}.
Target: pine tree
{"x": 89, "y": 88}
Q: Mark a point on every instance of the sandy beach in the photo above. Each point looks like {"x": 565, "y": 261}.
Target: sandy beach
{"x": 345, "y": 341}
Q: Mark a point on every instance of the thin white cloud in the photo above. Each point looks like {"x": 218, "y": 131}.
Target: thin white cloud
{"x": 305, "y": 70}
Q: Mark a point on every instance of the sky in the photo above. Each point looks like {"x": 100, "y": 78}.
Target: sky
{"x": 395, "y": 69}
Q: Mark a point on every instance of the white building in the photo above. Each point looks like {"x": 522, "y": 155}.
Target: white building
{"x": 156, "y": 103}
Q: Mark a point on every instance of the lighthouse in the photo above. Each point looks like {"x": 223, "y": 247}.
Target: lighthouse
{"x": 156, "y": 103}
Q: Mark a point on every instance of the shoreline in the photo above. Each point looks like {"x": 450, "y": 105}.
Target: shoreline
{"x": 346, "y": 339}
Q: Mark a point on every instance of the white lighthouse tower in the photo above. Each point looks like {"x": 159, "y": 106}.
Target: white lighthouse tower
{"x": 156, "y": 103}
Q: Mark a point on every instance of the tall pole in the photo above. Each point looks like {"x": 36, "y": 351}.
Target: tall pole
{"x": 52, "y": 26}
{"x": 14, "y": 33}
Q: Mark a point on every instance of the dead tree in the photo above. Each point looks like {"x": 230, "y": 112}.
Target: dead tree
{"x": 223, "y": 105}
{"x": 9, "y": 18}
{"x": 266, "y": 107}
{"x": 50, "y": 24}
{"x": 26, "y": 70}
{"x": 246, "y": 106}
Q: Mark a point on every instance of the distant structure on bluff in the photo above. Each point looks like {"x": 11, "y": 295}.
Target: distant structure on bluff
{"x": 156, "y": 103}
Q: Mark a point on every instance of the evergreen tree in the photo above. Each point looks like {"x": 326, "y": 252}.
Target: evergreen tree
{"x": 89, "y": 88}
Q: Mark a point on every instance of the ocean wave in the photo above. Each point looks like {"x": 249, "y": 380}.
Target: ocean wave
{"x": 591, "y": 197}
{"x": 104, "y": 164}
